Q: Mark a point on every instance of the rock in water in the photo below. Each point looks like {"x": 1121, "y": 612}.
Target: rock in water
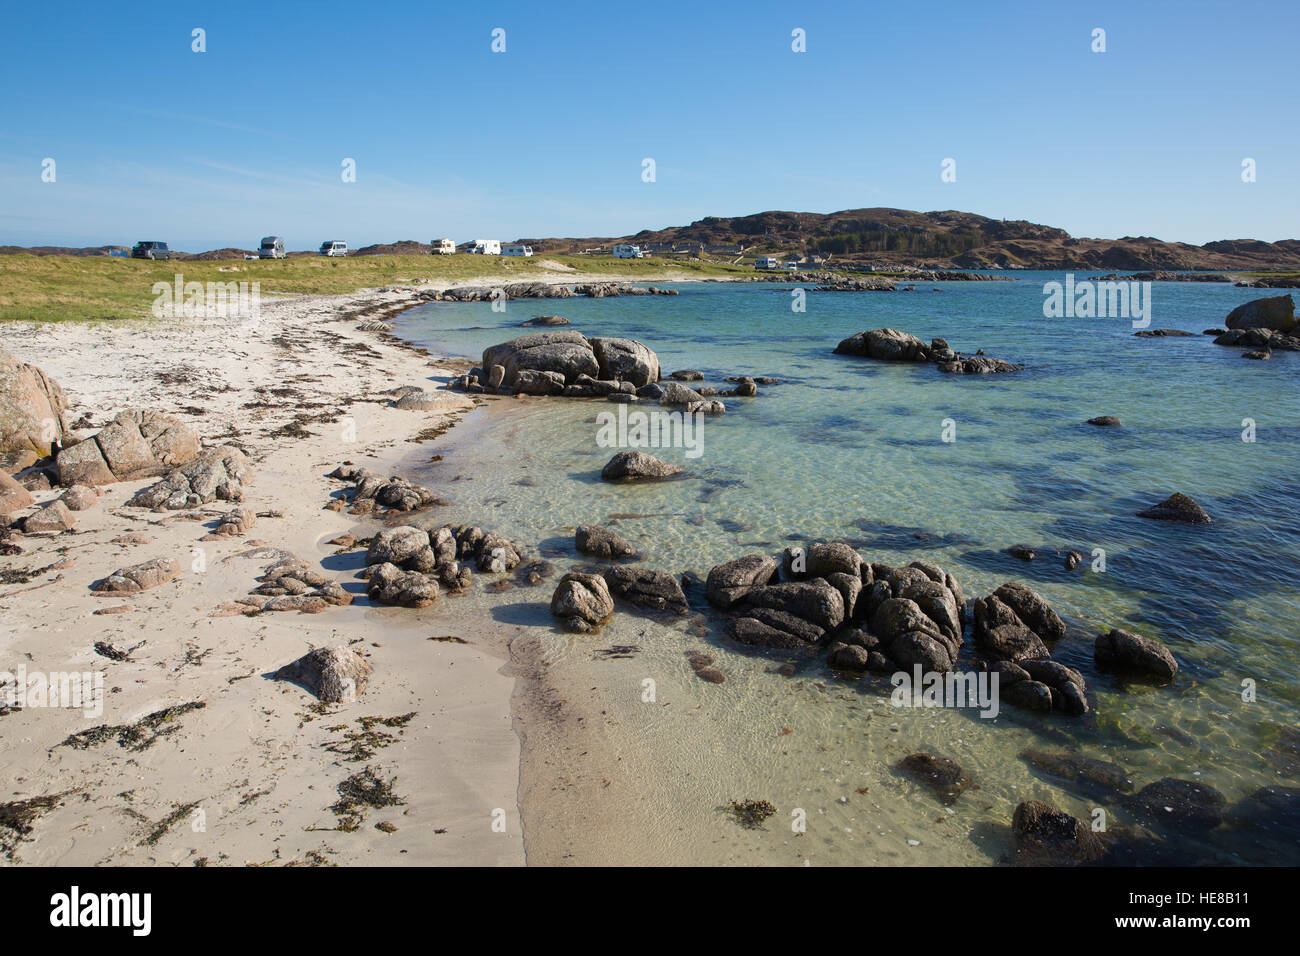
{"x": 638, "y": 466}
{"x": 1125, "y": 651}
{"x": 1177, "y": 507}
{"x": 1183, "y": 806}
{"x": 888, "y": 345}
{"x": 648, "y": 588}
{"x": 334, "y": 674}
{"x": 732, "y": 580}
{"x": 602, "y": 543}
{"x": 1105, "y": 421}
{"x": 32, "y": 408}
{"x": 940, "y": 774}
{"x": 1045, "y": 836}
{"x": 1275, "y": 312}
{"x": 582, "y": 601}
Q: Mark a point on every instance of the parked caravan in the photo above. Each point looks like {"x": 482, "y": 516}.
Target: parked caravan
{"x": 518, "y": 250}
{"x": 443, "y": 247}
{"x": 333, "y": 247}
{"x": 767, "y": 262}
{"x": 622, "y": 251}
{"x": 272, "y": 247}
{"x": 484, "y": 247}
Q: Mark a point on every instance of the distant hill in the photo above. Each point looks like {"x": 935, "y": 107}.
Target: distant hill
{"x": 883, "y": 236}
{"x": 946, "y": 239}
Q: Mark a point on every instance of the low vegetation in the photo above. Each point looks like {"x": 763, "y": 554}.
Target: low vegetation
{"x": 106, "y": 288}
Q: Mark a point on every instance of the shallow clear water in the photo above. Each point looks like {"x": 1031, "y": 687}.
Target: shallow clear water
{"x": 851, "y": 449}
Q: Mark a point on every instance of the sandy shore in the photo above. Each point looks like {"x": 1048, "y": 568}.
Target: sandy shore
{"x": 250, "y": 776}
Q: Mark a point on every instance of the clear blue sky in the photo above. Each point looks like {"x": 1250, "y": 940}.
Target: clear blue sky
{"x": 153, "y": 141}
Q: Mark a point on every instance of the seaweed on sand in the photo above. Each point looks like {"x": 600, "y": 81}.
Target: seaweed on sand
{"x": 750, "y": 814}
{"x": 362, "y": 791}
{"x": 141, "y": 735}
{"x": 166, "y": 823}
{"x": 18, "y": 818}
{"x": 362, "y": 744}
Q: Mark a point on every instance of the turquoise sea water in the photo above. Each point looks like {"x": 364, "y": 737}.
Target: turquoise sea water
{"x": 851, "y": 449}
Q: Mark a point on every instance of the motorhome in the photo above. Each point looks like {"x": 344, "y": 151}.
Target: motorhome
{"x": 443, "y": 247}
{"x": 333, "y": 247}
{"x": 272, "y": 247}
{"x": 623, "y": 251}
{"x": 519, "y": 250}
{"x": 485, "y": 247}
{"x": 767, "y": 262}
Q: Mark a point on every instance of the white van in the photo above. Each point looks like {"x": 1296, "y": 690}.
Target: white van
{"x": 443, "y": 247}
{"x": 519, "y": 250}
{"x": 628, "y": 252}
{"x": 272, "y": 247}
{"x": 767, "y": 262}
{"x": 333, "y": 247}
{"x": 485, "y": 247}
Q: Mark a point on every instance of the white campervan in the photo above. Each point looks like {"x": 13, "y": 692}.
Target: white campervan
{"x": 767, "y": 262}
{"x": 519, "y": 250}
{"x": 485, "y": 247}
{"x": 443, "y": 247}
{"x": 622, "y": 251}
{"x": 333, "y": 247}
{"x": 272, "y": 247}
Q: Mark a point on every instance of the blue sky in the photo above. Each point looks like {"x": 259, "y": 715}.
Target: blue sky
{"x": 152, "y": 140}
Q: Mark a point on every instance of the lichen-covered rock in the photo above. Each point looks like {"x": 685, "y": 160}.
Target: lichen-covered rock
{"x": 80, "y": 497}
{"x": 140, "y": 577}
{"x": 398, "y": 546}
{"x": 334, "y": 675}
{"x": 136, "y": 444}
{"x": 389, "y": 584}
{"x": 13, "y": 496}
{"x": 294, "y": 585}
{"x": 582, "y": 601}
{"x": 217, "y": 473}
{"x": 33, "y": 408}
{"x": 233, "y": 524}
{"x": 54, "y": 518}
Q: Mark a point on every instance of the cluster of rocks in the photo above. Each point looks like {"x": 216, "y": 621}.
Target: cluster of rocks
{"x": 1263, "y": 326}
{"x": 372, "y": 492}
{"x": 583, "y": 601}
{"x": 232, "y": 525}
{"x": 541, "y": 290}
{"x": 215, "y": 474}
{"x": 292, "y": 584}
{"x": 136, "y": 444}
{"x": 405, "y": 565}
{"x": 891, "y": 345}
{"x": 569, "y": 364}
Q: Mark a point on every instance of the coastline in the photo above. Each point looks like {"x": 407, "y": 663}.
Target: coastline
{"x": 253, "y": 767}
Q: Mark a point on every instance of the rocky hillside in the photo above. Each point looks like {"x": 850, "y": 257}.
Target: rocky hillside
{"x": 947, "y": 239}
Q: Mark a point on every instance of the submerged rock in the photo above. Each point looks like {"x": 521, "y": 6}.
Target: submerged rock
{"x": 730, "y": 581}
{"x": 638, "y": 466}
{"x": 1125, "y": 651}
{"x": 647, "y": 588}
{"x": 602, "y": 543}
{"x": 1183, "y": 806}
{"x": 1042, "y": 835}
{"x": 940, "y": 774}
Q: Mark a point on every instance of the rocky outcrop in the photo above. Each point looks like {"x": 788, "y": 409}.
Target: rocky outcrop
{"x": 33, "y": 409}
{"x": 546, "y": 363}
{"x": 53, "y": 518}
{"x": 405, "y": 565}
{"x": 232, "y": 525}
{"x": 891, "y": 345}
{"x": 136, "y": 444}
{"x": 217, "y": 473}
{"x": 1275, "y": 312}
{"x": 292, "y": 584}
{"x": 1260, "y": 339}
{"x": 638, "y": 466}
{"x": 1042, "y": 835}
{"x": 1134, "y": 654}
{"x": 545, "y": 320}
{"x": 1177, "y": 507}
{"x": 582, "y": 602}
{"x": 646, "y": 588}
{"x": 602, "y": 543}
{"x": 13, "y": 496}
{"x": 334, "y": 675}
{"x": 140, "y": 577}
{"x": 388, "y": 584}
{"x": 730, "y": 581}
{"x": 1011, "y": 630}
{"x": 372, "y": 492}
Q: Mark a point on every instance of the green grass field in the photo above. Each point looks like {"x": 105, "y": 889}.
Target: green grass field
{"x": 99, "y": 288}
